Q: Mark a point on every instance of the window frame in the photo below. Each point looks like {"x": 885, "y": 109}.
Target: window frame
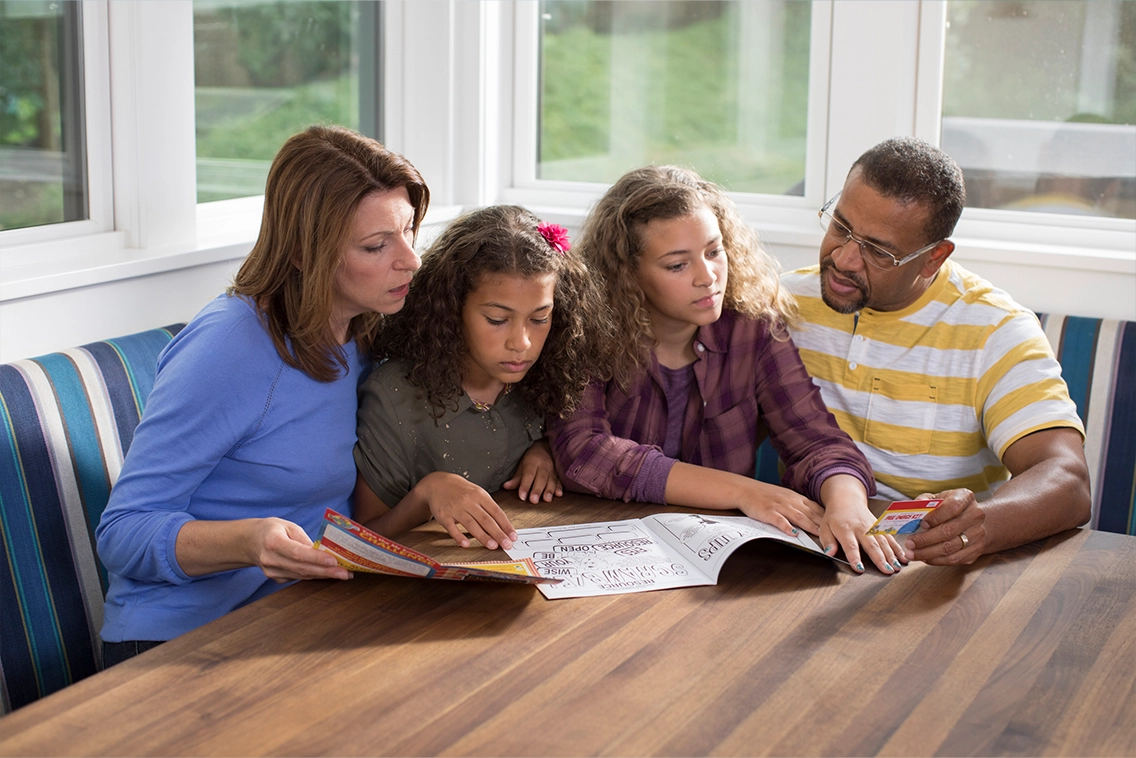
{"x": 473, "y": 139}
{"x": 900, "y": 48}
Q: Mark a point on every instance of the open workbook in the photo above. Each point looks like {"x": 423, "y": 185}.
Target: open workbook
{"x": 357, "y": 548}
{"x": 658, "y": 552}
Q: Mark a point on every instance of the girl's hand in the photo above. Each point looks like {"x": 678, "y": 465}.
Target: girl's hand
{"x": 846, "y": 518}
{"x": 536, "y": 475}
{"x": 458, "y": 504}
{"x": 783, "y": 508}
{"x": 284, "y": 552}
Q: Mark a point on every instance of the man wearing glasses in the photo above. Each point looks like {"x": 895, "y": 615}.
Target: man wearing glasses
{"x": 947, "y": 385}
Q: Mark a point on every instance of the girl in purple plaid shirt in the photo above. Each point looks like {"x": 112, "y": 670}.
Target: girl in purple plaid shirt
{"x": 705, "y": 371}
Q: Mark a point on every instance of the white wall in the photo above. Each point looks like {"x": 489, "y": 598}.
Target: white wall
{"x": 38, "y": 324}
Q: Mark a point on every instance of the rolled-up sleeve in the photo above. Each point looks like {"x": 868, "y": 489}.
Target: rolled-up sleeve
{"x": 801, "y": 428}
{"x": 589, "y": 457}
{"x": 205, "y": 400}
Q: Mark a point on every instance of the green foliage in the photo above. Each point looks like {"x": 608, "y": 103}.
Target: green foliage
{"x": 280, "y": 44}
{"x": 575, "y": 82}
{"x": 24, "y": 84}
{"x": 680, "y": 63}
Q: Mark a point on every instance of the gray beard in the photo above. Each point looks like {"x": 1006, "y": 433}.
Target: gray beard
{"x": 846, "y": 308}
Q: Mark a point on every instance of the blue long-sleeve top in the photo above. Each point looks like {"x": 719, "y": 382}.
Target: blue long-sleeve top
{"x": 230, "y": 431}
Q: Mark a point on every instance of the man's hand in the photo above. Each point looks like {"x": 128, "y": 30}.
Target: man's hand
{"x": 953, "y": 533}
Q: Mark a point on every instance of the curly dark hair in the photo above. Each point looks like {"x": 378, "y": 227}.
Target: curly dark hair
{"x": 913, "y": 171}
{"x": 611, "y": 243}
{"x": 503, "y": 239}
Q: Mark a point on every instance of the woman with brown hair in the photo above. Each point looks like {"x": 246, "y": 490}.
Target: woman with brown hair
{"x": 706, "y": 372}
{"x": 247, "y": 434}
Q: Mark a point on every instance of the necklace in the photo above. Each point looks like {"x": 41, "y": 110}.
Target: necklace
{"x": 486, "y": 406}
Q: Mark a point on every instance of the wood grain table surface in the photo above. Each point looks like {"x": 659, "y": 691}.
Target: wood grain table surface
{"x": 1029, "y": 652}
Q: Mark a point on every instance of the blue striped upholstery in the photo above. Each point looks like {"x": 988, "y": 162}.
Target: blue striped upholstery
{"x": 67, "y": 420}
{"x": 1095, "y": 355}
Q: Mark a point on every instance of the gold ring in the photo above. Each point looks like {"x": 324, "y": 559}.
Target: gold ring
{"x": 965, "y": 541}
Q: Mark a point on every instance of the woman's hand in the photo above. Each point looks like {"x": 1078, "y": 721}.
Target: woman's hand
{"x": 536, "y": 475}
{"x": 457, "y": 503}
{"x": 281, "y": 549}
{"x": 284, "y": 552}
{"x": 847, "y": 518}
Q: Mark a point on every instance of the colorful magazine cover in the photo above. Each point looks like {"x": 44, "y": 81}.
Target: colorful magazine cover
{"x": 357, "y": 548}
{"x": 903, "y": 517}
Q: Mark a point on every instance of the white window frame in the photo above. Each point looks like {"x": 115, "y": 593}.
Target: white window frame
{"x": 896, "y": 46}
{"x": 460, "y": 102}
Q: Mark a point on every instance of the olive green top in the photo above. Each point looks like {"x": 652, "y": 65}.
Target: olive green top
{"x": 399, "y": 442}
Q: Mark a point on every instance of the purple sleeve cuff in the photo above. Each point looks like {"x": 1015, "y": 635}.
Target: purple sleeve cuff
{"x": 650, "y": 484}
{"x": 818, "y": 480}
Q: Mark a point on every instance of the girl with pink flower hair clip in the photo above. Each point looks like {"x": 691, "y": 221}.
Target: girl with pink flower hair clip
{"x": 501, "y": 328}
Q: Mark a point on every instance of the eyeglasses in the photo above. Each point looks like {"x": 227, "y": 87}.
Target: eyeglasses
{"x": 872, "y": 253}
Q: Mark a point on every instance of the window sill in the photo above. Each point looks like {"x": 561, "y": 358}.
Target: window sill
{"x": 226, "y": 231}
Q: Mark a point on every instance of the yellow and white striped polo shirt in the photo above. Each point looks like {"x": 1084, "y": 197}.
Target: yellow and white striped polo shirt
{"x": 935, "y": 393}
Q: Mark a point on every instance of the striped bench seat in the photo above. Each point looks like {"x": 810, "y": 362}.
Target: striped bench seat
{"x": 1095, "y": 356}
{"x": 68, "y": 419}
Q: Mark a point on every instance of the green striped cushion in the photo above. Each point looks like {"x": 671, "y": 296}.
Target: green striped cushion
{"x": 67, "y": 419}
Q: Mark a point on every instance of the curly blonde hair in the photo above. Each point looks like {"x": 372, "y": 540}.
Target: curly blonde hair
{"x": 427, "y": 333}
{"x": 611, "y": 243}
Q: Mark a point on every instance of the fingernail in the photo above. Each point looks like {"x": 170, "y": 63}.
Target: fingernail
{"x": 910, "y": 545}
{"x": 795, "y": 530}
{"x": 830, "y": 549}
{"x": 859, "y": 566}
{"x": 896, "y": 564}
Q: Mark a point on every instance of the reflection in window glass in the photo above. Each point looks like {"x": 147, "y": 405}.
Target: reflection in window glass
{"x": 1039, "y": 104}
{"x": 718, "y": 86}
{"x": 43, "y": 168}
{"x": 266, "y": 70}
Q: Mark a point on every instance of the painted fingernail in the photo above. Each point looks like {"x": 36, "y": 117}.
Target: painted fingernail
{"x": 896, "y": 564}
{"x": 795, "y": 531}
{"x": 830, "y": 549}
{"x": 859, "y": 566}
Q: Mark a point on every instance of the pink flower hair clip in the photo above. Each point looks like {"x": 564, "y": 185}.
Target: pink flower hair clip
{"x": 556, "y": 235}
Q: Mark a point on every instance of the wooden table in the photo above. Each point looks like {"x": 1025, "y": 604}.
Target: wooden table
{"x": 1030, "y": 652}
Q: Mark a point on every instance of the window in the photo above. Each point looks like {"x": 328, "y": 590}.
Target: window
{"x": 266, "y": 70}
{"x": 1039, "y": 104}
{"x": 719, "y": 86}
{"x": 43, "y": 171}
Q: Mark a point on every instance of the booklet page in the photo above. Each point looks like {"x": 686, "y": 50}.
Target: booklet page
{"x": 706, "y": 542}
{"x": 607, "y": 558}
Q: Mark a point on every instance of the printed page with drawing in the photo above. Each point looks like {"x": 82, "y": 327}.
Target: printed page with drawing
{"x": 662, "y": 551}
